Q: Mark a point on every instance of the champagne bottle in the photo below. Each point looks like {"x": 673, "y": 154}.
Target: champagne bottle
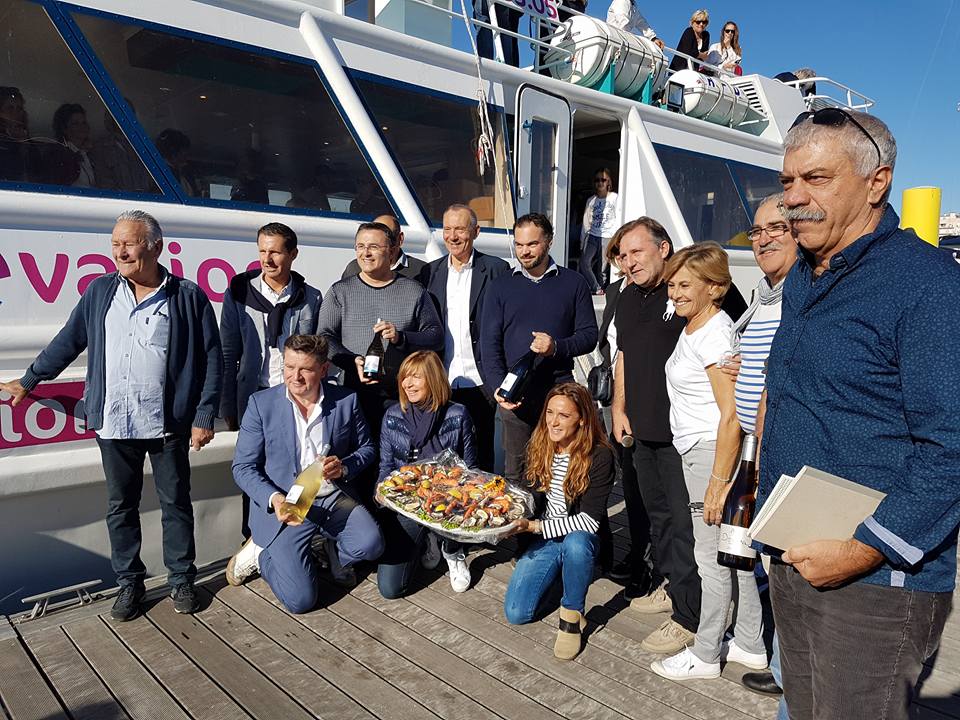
{"x": 373, "y": 360}
{"x": 515, "y": 384}
{"x": 309, "y": 485}
{"x": 734, "y": 548}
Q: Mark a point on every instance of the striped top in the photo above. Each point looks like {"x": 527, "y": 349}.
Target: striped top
{"x": 556, "y": 522}
{"x": 754, "y": 349}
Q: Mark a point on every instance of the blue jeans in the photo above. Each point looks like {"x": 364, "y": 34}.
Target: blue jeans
{"x": 591, "y": 262}
{"x": 404, "y": 540}
{"x": 123, "y": 470}
{"x": 782, "y": 712}
{"x": 571, "y": 557}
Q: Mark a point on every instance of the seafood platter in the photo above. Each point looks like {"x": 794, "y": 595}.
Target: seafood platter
{"x": 454, "y": 501}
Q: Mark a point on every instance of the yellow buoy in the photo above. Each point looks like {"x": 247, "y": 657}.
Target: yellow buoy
{"x": 921, "y": 212}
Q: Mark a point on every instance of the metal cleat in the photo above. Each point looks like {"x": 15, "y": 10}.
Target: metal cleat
{"x": 42, "y": 604}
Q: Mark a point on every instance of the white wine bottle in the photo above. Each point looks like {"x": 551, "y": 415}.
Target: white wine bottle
{"x": 515, "y": 384}
{"x": 309, "y": 485}
{"x": 373, "y": 360}
{"x": 734, "y": 549}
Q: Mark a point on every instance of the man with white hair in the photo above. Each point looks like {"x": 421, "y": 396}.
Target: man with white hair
{"x": 153, "y": 382}
{"x": 862, "y": 382}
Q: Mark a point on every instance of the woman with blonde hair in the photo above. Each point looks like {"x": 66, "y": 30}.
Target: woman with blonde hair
{"x": 727, "y": 53}
{"x": 424, "y": 423}
{"x": 571, "y": 468}
{"x": 694, "y": 42}
{"x": 706, "y": 434}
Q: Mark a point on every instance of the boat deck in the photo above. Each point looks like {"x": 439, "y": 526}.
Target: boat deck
{"x": 433, "y": 654}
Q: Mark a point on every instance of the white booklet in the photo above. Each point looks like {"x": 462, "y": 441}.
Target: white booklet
{"x": 814, "y": 505}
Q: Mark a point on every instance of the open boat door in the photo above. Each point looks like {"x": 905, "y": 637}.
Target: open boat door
{"x": 542, "y": 154}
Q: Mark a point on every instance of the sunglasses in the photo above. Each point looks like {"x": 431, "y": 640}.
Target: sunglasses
{"x": 835, "y": 117}
{"x": 729, "y": 31}
{"x": 699, "y": 22}
{"x": 600, "y": 180}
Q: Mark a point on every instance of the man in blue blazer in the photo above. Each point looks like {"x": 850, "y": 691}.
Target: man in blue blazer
{"x": 284, "y": 430}
{"x": 458, "y": 283}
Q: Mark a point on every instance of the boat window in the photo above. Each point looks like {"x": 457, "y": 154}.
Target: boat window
{"x": 54, "y": 128}
{"x": 434, "y": 141}
{"x": 756, "y": 183}
{"x": 236, "y": 126}
{"x": 707, "y": 194}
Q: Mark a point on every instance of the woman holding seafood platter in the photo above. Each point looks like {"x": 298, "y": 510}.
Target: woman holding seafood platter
{"x": 420, "y": 426}
{"x": 571, "y": 468}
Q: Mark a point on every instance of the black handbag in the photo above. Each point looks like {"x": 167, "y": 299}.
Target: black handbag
{"x": 600, "y": 384}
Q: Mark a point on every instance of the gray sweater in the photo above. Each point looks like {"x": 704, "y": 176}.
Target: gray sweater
{"x": 352, "y": 308}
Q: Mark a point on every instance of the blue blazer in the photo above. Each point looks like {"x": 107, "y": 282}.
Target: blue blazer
{"x": 266, "y": 457}
{"x": 456, "y": 433}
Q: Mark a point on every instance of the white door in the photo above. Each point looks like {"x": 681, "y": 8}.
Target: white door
{"x": 542, "y": 145}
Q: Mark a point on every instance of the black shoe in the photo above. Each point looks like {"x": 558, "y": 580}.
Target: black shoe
{"x": 641, "y": 586}
{"x": 185, "y": 598}
{"x": 622, "y": 571}
{"x": 127, "y": 605}
{"x": 761, "y": 682}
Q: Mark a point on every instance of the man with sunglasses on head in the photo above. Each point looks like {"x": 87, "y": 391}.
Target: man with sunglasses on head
{"x": 862, "y": 383}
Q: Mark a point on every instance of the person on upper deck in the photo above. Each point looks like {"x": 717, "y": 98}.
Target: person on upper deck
{"x": 403, "y": 264}
{"x": 285, "y": 430}
{"x": 539, "y": 307}
{"x": 625, "y": 15}
{"x": 571, "y": 469}
{"x": 153, "y": 382}
{"x": 695, "y": 42}
{"x": 261, "y": 309}
{"x": 419, "y": 427}
{"x": 459, "y": 282}
{"x": 727, "y": 54}
{"x": 862, "y": 382}
{"x": 507, "y": 19}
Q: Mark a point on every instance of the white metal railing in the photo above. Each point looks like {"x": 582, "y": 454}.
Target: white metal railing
{"x": 849, "y": 98}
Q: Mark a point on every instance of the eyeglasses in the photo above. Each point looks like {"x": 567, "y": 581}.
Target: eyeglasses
{"x": 372, "y": 248}
{"x": 835, "y": 117}
{"x": 773, "y": 231}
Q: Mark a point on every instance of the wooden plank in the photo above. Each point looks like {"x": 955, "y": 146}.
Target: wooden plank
{"x": 426, "y": 689}
{"x": 494, "y": 695}
{"x": 371, "y": 691}
{"x": 141, "y": 696}
{"x": 82, "y": 693}
{"x": 297, "y": 679}
{"x": 199, "y": 695}
{"x": 530, "y": 680}
{"x": 243, "y": 682}
{"x": 590, "y": 683}
{"x": 23, "y": 691}
{"x": 620, "y": 658}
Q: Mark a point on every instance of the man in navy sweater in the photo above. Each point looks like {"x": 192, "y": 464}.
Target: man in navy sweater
{"x": 540, "y": 307}
{"x": 154, "y": 374}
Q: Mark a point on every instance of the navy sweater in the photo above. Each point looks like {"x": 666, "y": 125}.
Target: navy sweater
{"x": 194, "y": 362}
{"x": 514, "y": 307}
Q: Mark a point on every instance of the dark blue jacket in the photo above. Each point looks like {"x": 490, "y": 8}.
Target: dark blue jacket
{"x": 266, "y": 458}
{"x": 486, "y": 269}
{"x": 194, "y": 362}
{"x": 456, "y": 433}
{"x": 863, "y": 382}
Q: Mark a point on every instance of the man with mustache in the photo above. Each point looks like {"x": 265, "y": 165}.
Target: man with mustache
{"x": 862, "y": 382}
{"x": 261, "y": 309}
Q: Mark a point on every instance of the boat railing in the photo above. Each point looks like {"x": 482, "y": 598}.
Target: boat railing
{"x": 830, "y": 93}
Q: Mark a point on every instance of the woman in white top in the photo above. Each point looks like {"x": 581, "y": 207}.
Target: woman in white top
{"x": 600, "y": 221}
{"x": 727, "y": 53}
{"x": 703, "y": 420}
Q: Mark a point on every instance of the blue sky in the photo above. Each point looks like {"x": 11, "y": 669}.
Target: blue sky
{"x": 904, "y": 56}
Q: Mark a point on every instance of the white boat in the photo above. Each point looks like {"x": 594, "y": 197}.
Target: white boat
{"x": 219, "y": 116}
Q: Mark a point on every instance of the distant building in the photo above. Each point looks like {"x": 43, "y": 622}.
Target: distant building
{"x": 950, "y": 225}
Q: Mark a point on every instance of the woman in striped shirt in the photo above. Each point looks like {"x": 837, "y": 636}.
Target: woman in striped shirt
{"x": 571, "y": 467}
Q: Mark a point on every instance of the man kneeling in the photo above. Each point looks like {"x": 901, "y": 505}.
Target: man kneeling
{"x": 282, "y": 432}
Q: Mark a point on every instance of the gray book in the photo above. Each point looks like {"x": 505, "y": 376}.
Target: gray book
{"x": 814, "y": 505}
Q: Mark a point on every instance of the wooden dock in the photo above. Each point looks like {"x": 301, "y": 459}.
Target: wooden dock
{"x": 435, "y": 654}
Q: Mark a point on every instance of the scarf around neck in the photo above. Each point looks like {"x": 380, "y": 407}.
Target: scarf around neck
{"x": 245, "y": 292}
{"x": 763, "y": 295}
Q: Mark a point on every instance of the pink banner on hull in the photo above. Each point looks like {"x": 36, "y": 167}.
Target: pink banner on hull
{"x": 52, "y": 413}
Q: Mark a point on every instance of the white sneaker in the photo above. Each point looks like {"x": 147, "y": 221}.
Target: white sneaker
{"x": 685, "y": 666}
{"x": 731, "y": 652}
{"x": 245, "y": 564}
{"x": 431, "y": 552}
{"x": 459, "y": 572}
